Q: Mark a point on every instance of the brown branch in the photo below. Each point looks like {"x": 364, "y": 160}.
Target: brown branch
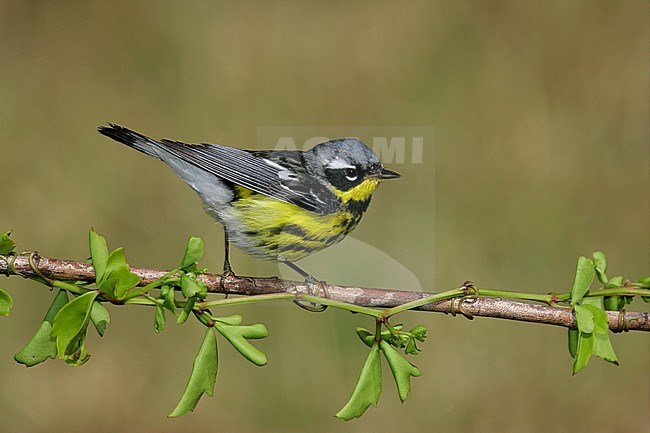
{"x": 375, "y": 298}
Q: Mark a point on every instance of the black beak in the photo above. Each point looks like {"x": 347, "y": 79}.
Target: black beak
{"x": 385, "y": 173}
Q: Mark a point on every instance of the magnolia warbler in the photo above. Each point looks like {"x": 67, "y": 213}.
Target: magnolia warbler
{"x": 274, "y": 204}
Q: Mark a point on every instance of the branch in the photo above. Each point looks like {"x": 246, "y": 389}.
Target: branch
{"x": 469, "y": 306}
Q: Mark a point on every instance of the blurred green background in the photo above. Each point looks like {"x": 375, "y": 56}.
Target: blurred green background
{"x": 540, "y": 112}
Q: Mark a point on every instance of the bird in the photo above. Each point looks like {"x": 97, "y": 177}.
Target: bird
{"x": 281, "y": 205}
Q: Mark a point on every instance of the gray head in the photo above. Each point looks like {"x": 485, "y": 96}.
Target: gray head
{"x": 345, "y": 163}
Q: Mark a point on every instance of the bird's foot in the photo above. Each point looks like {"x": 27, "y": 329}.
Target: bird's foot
{"x": 314, "y": 288}
{"x": 227, "y": 273}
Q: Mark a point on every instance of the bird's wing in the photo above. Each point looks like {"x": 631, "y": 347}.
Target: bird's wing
{"x": 281, "y": 177}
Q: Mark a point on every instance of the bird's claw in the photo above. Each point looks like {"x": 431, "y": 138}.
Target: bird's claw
{"x": 314, "y": 287}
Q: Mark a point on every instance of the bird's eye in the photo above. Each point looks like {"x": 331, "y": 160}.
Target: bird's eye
{"x": 351, "y": 174}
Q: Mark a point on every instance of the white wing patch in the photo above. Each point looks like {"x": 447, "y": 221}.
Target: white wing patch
{"x": 283, "y": 173}
{"x": 274, "y": 164}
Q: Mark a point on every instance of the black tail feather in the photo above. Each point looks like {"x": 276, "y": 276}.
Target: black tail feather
{"x": 131, "y": 138}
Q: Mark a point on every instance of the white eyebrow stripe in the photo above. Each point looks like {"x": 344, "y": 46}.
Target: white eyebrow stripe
{"x": 339, "y": 163}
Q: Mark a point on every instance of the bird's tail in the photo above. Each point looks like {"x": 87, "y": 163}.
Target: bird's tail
{"x": 131, "y": 138}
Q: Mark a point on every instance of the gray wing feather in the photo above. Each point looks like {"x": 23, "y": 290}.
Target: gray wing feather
{"x": 257, "y": 173}
{"x": 253, "y": 170}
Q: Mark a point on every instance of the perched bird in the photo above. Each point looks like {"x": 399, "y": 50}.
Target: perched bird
{"x": 274, "y": 204}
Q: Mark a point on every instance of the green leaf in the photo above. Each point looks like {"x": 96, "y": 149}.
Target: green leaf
{"x": 100, "y": 317}
{"x": 599, "y": 318}
{"x": 614, "y": 303}
{"x": 40, "y": 348}
{"x": 7, "y": 244}
{"x": 645, "y": 282}
{"x": 117, "y": 278}
{"x": 126, "y": 280}
{"x": 193, "y": 252}
{"x": 419, "y": 333}
{"x": 585, "y": 319}
{"x": 402, "y": 369}
{"x": 594, "y": 301}
{"x": 203, "y": 376}
{"x": 585, "y": 349}
{"x": 42, "y": 345}
{"x": 233, "y": 320}
{"x": 191, "y": 287}
{"x": 71, "y": 322}
{"x": 167, "y": 293}
{"x": 80, "y": 355}
{"x": 615, "y": 282}
{"x": 159, "y": 321}
{"x": 603, "y": 348}
{"x": 107, "y": 287}
{"x": 583, "y": 279}
{"x": 573, "y": 342}
{"x": 185, "y": 312}
{"x": 400, "y": 340}
{"x": 591, "y": 315}
{"x": 367, "y": 389}
{"x": 238, "y": 336}
{"x": 602, "y": 343}
{"x": 600, "y": 262}
{"x": 5, "y": 303}
{"x": 411, "y": 347}
{"x": 366, "y": 336}
{"x": 98, "y": 254}
{"x": 116, "y": 262}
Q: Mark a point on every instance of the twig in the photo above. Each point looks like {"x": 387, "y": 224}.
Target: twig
{"x": 469, "y": 306}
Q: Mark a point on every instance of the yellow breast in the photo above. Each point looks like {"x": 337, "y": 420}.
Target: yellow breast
{"x": 270, "y": 229}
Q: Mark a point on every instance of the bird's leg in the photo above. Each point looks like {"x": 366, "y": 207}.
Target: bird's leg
{"x": 314, "y": 287}
{"x": 227, "y": 269}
